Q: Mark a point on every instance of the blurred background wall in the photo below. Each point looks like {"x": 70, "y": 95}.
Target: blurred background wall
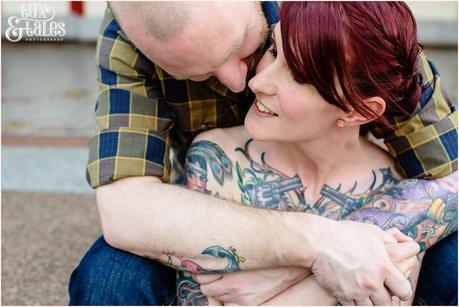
{"x": 49, "y": 89}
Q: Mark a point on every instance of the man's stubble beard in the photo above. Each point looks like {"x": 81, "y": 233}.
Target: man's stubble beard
{"x": 255, "y": 58}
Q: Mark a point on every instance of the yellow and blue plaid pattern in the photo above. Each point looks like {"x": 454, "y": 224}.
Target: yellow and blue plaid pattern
{"x": 142, "y": 113}
{"x": 425, "y": 144}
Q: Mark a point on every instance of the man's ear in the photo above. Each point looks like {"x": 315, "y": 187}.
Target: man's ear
{"x": 375, "y": 104}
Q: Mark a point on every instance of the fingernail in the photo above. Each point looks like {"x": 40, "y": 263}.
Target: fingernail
{"x": 422, "y": 246}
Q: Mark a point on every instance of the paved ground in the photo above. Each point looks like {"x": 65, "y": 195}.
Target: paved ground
{"x": 43, "y": 238}
{"x": 49, "y": 218}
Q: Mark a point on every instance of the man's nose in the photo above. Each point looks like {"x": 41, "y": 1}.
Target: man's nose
{"x": 234, "y": 76}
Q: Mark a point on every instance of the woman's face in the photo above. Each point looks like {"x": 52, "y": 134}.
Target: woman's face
{"x": 285, "y": 110}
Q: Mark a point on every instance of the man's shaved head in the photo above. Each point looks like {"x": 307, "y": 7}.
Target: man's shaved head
{"x": 197, "y": 40}
{"x": 163, "y": 19}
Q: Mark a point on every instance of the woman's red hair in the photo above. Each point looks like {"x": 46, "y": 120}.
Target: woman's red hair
{"x": 350, "y": 51}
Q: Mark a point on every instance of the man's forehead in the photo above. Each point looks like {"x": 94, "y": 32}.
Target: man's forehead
{"x": 200, "y": 54}
{"x": 185, "y": 57}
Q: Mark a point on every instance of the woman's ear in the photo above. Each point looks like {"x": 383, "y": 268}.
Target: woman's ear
{"x": 375, "y": 104}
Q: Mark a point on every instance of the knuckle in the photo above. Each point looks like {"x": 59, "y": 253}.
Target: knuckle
{"x": 384, "y": 269}
{"x": 339, "y": 297}
{"x": 340, "y": 294}
{"x": 369, "y": 283}
{"x": 352, "y": 294}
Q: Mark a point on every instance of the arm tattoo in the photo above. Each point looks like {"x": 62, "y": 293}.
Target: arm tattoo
{"x": 229, "y": 254}
{"x": 189, "y": 291}
{"x": 424, "y": 210}
{"x": 199, "y": 155}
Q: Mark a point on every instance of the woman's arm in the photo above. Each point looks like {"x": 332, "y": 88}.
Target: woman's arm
{"x": 425, "y": 210}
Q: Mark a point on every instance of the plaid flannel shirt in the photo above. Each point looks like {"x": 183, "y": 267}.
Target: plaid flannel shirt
{"x": 142, "y": 113}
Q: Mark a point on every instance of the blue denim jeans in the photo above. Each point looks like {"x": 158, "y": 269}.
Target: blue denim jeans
{"x": 437, "y": 283}
{"x": 108, "y": 276}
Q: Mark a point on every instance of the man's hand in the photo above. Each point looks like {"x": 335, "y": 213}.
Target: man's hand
{"x": 251, "y": 287}
{"x": 352, "y": 264}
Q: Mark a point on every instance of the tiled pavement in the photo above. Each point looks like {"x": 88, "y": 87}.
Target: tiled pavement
{"x": 49, "y": 217}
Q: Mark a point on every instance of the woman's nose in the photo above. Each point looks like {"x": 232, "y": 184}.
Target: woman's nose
{"x": 262, "y": 83}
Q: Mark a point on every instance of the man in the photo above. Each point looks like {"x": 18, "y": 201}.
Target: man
{"x": 143, "y": 112}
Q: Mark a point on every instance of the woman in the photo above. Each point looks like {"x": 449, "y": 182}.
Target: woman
{"x": 332, "y": 68}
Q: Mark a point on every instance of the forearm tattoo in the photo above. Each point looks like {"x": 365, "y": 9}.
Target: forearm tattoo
{"x": 424, "y": 210}
{"x": 229, "y": 254}
{"x": 188, "y": 290}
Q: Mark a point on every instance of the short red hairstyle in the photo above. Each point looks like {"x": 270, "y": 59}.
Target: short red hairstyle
{"x": 350, "y": 51}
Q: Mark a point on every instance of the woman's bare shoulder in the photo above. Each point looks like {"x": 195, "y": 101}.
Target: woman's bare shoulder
{"x": 211, "y": 162}
{"x": 226, "y": 138}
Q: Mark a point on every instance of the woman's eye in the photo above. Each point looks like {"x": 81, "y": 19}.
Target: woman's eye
{"x": 273, "y": 52}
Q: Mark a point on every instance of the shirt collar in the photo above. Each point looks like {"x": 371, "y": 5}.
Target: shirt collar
{"x": 271, "y": 10}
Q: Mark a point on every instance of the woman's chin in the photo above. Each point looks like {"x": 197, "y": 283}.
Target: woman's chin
{"x": 255, "y": 130}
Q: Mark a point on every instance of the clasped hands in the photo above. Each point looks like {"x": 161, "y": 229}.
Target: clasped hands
{"x": 357, "y": 284}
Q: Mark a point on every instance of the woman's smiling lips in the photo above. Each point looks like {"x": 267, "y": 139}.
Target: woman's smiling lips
{"x": 263, "y": 110}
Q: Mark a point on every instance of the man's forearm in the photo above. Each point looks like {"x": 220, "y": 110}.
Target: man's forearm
{"x": 198, "y": 233}
{"x": 423, "y": 209}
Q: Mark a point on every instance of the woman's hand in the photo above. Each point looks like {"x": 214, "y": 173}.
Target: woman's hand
{"x": 404, "y": 254}
{"x": 250, "y": 287}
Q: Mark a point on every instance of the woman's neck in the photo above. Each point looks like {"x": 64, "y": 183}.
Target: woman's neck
{"x": 330, "y": 158}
